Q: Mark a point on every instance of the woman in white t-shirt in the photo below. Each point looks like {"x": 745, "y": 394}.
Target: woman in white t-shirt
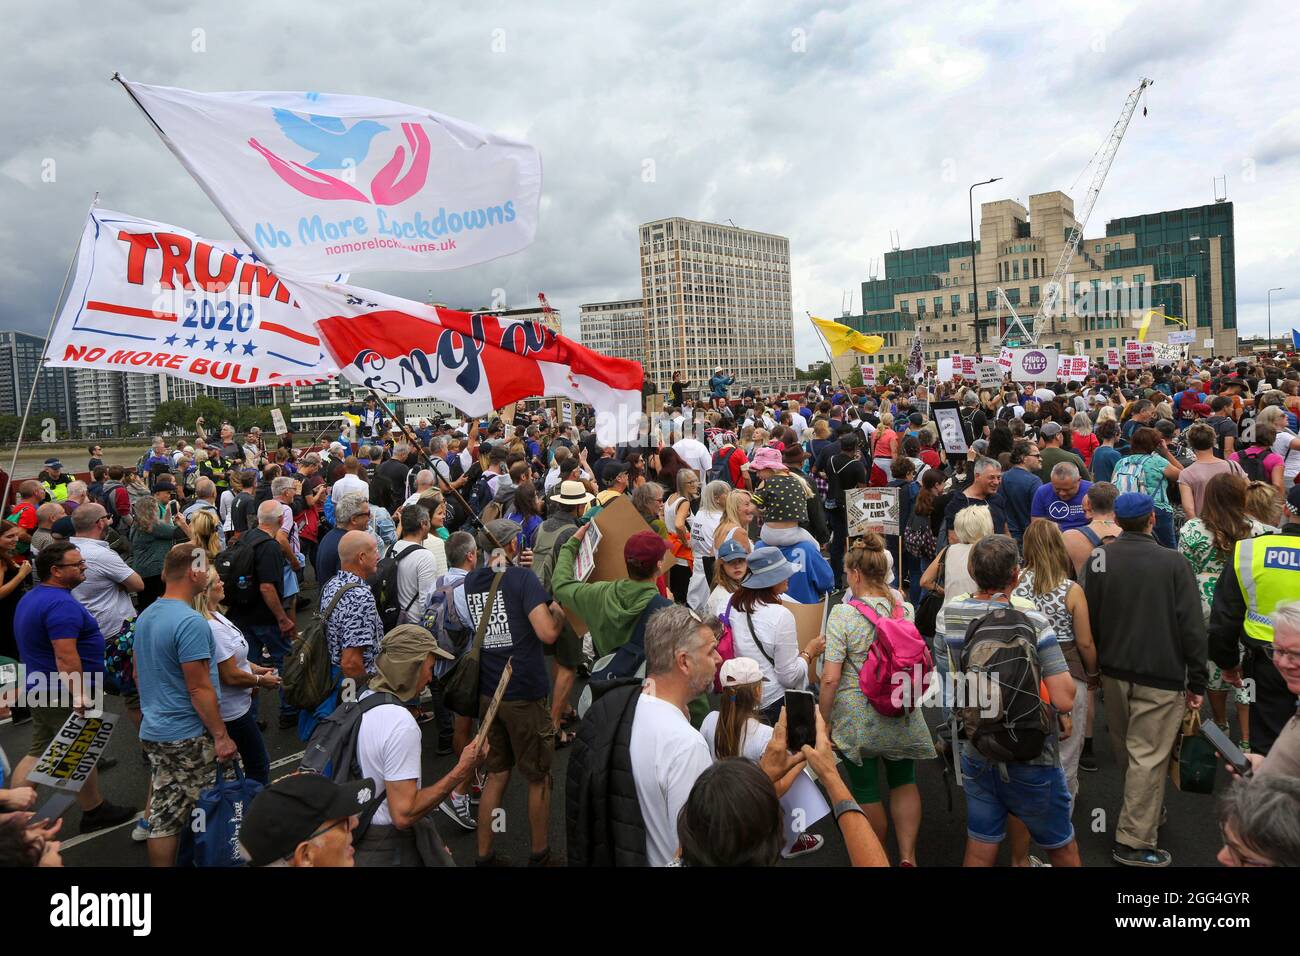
{"x": 1285, "y": 444}
{"x": 736, "y": 731}
{"x": 764, "y": 629}
{"x": 703, "y": 525}
{"x": 239, "y": 678}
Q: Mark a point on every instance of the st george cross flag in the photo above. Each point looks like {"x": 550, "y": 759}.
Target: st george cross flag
{"x": 477, "y": 362}
{"x": 151, "y": 298}
{"x": 323, "y": 183}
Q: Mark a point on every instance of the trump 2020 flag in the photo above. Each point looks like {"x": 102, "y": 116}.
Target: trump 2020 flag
{"x": 322, "y": 183}
{"x": 476, "y": 361}
{"x": 152, "y": 298}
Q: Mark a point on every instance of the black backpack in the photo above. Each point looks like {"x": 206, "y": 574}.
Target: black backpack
{"x": 1253, "y": 465}
{"x": 332, "y": 749}
{"x": 236, "y": 567}
{"x": 384, "y": 586}
{"x": 999, "y": 663}
{"x": 721, "y": 470}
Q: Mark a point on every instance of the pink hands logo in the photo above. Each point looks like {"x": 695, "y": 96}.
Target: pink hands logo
{"x": 337, "y": 146}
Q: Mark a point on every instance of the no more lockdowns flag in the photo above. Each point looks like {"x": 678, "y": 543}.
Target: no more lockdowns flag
{"x": 152, "y": 298}
{"x": 323, "y": 183}
{"x": 476, "y": 362}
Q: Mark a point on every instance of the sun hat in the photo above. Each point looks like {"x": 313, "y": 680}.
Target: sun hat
{"x": 572, "y": 493}
{"x": 769, "y": 458}
{"x": 767, "y": 567}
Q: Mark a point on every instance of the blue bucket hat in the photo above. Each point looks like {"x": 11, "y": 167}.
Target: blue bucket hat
{"x": 767, "y": 567}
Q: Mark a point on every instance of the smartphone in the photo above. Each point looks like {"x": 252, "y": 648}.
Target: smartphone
{"x": 800, "y": 720}
{"x": 1229, "y": 751}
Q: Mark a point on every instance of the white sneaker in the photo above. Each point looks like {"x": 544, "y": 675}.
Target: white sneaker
{"x": 140, "y": 832}
{"x": 805, "y": 844}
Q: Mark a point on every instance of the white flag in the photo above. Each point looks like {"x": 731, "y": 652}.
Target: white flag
{"x": 322, "y": 183}
{"x": 153, "y": 298}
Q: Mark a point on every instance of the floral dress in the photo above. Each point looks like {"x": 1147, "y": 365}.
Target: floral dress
{"x": 1196, "y": 543}
{"x": 858, "y": 730}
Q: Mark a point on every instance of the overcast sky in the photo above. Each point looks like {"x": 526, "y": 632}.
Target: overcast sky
{"x": 830, "y": 124}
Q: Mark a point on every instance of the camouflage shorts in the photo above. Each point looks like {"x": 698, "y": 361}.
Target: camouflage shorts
{"x": 180, "y": 770}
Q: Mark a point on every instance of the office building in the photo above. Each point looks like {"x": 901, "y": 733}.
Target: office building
{"x": 715, "y": 295}
{"x": 20, "y": 359}
{"x": 1181, "y": 263}
{"x": 614, "y": 328}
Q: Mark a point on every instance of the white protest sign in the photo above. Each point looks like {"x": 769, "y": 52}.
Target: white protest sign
{"x": 74, "y": 751}
{"x": 988, "y": 374}
{"x": 1071, "y": 368}
{"x": 1112, "y": 358}
{"x": 1208, "y": 344}
{"x": 965, "y": 367}
{"x": 1182, "y": 338}
{"x": 277, "y": 420}
{"x": 1033, "y": 365}
{"x": 1139, "y": 353}
{"x": 1004, "y": 358}
{"x": 868, "y": 375}
{"x": 872, "y": 509}
{"x": 945, "y": 367}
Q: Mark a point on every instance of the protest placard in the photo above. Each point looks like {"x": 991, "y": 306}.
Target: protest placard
{"x": 1071, "y": 368}
{"x": 988, "y": 374}
{"x": 1033, "y": 365}
{"x": 872, "y": 509}
{"x": 74, "y": 751}
{"x": 951, "y": 432}
{"x": 617, "y": 522}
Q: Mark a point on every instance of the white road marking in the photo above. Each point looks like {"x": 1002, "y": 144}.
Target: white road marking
{"x": 87, "y": 837}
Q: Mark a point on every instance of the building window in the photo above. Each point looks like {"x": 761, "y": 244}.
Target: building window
{"x": 1097, "y": 247}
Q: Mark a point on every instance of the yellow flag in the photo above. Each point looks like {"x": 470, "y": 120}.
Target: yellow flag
{"x": 841, "y": 338}
{"x": 354, "y": 419}
{"x": 1146, "y": 324}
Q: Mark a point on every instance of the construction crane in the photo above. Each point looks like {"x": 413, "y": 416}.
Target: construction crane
{"x": 1052, "y": 300}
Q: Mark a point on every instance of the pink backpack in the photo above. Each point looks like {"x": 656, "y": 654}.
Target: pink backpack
{"x": 893, "y": 677}
{"x": 726, "y": 647}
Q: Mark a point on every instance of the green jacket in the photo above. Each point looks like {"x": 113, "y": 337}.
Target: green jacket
{"x": 610, "y": 608}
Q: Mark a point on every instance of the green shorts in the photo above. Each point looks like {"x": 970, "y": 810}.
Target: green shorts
{"x": 46, "y": 723}
{"x": 522, "y": 736}
{"x": 864, "y": 780}
{"x": 181, "y": 769}
{"x": 567, "y": 649}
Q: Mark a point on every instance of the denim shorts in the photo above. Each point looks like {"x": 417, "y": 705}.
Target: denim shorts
{"x": 1036, "y": 795}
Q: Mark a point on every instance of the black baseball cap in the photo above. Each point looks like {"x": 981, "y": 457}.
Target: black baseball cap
{"x": 294, "y": 807}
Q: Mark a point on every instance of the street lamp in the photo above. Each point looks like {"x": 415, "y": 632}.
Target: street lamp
{"x": 970, "y": 203}
{"x": 1270, "y": 313}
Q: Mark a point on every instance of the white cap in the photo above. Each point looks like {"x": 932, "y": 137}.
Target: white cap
{"x": 739, "y": 671}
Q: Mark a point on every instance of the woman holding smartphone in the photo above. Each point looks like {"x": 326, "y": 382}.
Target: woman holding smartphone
{"x": 153, "y": 532}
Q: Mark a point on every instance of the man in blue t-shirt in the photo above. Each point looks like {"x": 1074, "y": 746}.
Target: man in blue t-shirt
{"x": 63, "y": 652}
{"x": 182, "y": 732}
{"x": 1062, "y": 500}
{"x": 521, "y": 619}
{"x": 1020, "y": 483}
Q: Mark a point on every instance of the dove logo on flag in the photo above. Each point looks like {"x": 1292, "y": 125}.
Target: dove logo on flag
{"x": 326, "y": 183}
{"x": 337, "y": 145}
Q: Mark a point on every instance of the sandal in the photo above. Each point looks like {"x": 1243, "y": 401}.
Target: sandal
{"x": 563, "y": 738}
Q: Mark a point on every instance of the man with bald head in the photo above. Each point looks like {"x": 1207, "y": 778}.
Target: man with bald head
{"x": 30, "y": 496}
{"x": 106, "y": 589}
{"x": 353, "y": 627}
{"x": 46, "y": 515}
{"x": 257, "y": 609}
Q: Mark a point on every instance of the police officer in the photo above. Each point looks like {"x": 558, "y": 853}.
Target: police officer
{"x": 1265, "y": 572}
{"x": 54, "y": 481}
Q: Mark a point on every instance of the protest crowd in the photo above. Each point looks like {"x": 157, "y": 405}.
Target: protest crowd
{"x": 1121, "y": 553}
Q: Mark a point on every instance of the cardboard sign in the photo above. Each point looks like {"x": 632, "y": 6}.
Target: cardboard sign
{"x": 74, "y": 751}
{"x": 617, "y": 522}
{"x": 988, "y": 374}
{"x": 808, "y": 620}
{"x": 277, "y": 420}
{"x": 872, "y": 509}
{"x": 1033, "y": 365}
{"x": 952, "y": 434}
{"x": 1071, "y": 368}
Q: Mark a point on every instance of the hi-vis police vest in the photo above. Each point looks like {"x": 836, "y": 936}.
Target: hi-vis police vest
{"x": 1268, "y": 570}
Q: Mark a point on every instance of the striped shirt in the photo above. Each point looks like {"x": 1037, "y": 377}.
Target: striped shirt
{"x": 956, "y": 616}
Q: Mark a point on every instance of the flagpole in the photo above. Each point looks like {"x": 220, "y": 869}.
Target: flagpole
{"x": 216, "y": 201}
{"x": 40, "y": 366}
{"x": 821, "y": 338}
{"x": 406, "y": 431}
